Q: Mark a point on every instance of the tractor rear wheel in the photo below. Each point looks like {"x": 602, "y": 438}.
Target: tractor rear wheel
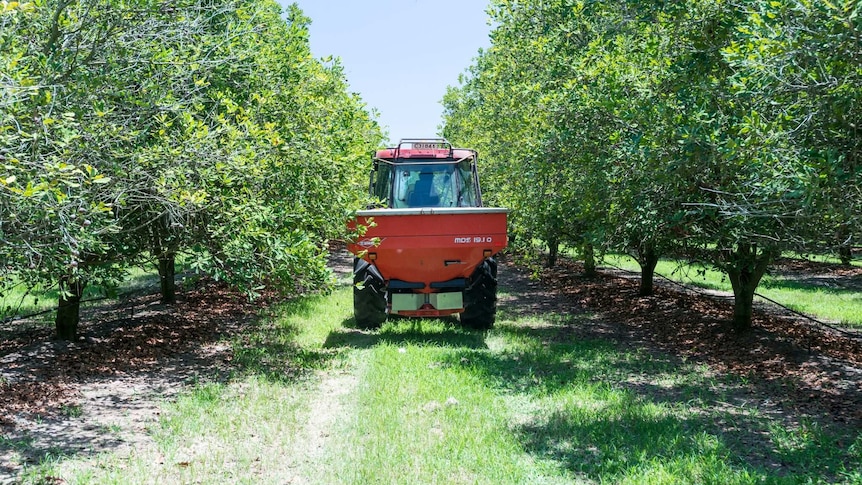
{"x": 369, "y": 295}
{"x": 480, "y": 297}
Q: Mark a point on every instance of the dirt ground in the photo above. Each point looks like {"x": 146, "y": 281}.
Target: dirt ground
{"x": 103, "y": 391}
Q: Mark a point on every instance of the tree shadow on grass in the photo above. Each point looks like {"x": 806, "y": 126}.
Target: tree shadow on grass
{"x": 271, "y": 351}
{"x": 400, "y": 330}
{"x": 607, "y": 415}
{"x": 634, "y": 437}
{"x": 281, "y": 362}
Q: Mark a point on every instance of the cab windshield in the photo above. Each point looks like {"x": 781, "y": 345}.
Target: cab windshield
{"x": 407, "y": 185}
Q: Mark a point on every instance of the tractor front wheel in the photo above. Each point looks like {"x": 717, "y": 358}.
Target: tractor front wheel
{"x": 480, "y": 297}
{"x": 369, "y": 295}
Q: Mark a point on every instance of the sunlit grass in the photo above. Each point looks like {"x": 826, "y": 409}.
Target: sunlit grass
{"x": 424, "y": 416}
{"x": 16, "y": 300}
{"x": 841, "y": 306}
{"x": 215, "y": 433}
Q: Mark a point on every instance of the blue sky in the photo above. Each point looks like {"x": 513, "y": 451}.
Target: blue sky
{"x": 400, "y": 55}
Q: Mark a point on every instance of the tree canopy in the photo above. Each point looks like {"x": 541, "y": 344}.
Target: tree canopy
{"x": 133, "y": 131}
{"x": 718, "y": 132}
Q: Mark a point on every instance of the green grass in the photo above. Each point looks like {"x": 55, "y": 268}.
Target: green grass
{"x": 523, "y": 406}
{"x": 823, "y": 258}
{"x": 836, "y": 305}
{"x": 17, "y": 301}
{"x": 427, "y": 419}
{"x": 425, "y": 401}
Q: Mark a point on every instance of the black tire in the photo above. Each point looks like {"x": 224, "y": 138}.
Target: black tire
{"x": 369, "y": 295}
{"x": 480, "y": 297}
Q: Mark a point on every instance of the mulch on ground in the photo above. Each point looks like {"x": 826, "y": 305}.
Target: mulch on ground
{"x": 38, "y": 376}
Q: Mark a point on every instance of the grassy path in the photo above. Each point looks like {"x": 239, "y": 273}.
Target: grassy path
{"x": 539, "y": 399}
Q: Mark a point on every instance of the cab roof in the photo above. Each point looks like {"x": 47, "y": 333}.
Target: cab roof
{"x": 424, "y": 148}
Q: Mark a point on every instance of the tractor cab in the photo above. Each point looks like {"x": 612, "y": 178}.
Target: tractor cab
{"x": 425, "y": 173}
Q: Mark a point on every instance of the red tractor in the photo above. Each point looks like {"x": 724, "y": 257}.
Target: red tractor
{"x": 429, "y": 250}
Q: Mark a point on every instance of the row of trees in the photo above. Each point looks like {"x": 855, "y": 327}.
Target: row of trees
{"x": 131, "y": 131}
{"x": 724, "y": 132}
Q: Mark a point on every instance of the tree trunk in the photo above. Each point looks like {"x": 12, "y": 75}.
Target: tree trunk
{"x": 589, "y": 260}
{"x": 68, "y": 308}
{"x": 745, "y": 271}
{"x": 845, "y": 254}
{"x": 648, "y": 259}
{"x": 167, "y": 280}
{"x": 743, "y": 306}
{"x": 165, "y": 251}
{"x": 553, "y": 251}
